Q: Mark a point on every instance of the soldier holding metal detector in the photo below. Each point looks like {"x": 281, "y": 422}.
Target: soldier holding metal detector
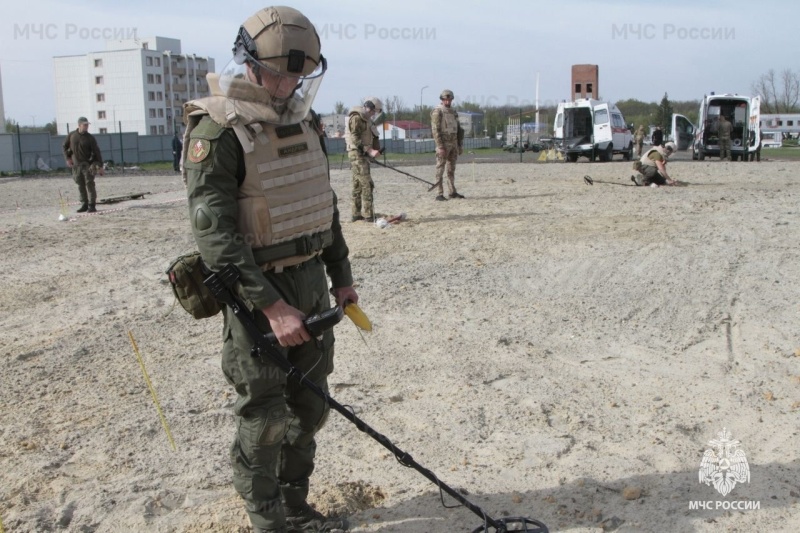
{"x": 260, "y": 199}
{"x": 361, "y": 137}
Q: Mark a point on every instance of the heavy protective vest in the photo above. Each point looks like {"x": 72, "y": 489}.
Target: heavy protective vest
{"x": 285, "y": 200}
{"x": 365, "y": 139}
{"x": 646, "y": 161}
{"x": 449, "y": 121}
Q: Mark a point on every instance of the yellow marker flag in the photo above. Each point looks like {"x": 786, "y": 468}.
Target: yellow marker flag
{"x": 152, "y": 390}
{"x": 354, "y": 313}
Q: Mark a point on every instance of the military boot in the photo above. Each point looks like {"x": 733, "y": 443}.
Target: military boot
{"x": 83, "y": 208}
{"x": 91, "y": 209}
{"x": 456, "y": 195}
{"x": 441, "y": 198}
{"x": 305, "y": 518}
{"x": 637, "y": 180}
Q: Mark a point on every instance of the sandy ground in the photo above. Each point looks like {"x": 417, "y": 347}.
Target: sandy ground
{"x": 551, "y": 349}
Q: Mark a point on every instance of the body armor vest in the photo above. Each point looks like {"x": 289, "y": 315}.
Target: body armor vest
{"x": 366, "y": 136}
{"x": 646, "y": 161}
{"x": 449, "y": 122}
{"x": 285, "y": 194}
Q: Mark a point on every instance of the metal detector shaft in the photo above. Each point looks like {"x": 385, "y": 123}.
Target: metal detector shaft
{"x": 221, "y": 284}
{"x": 405, "y": 173}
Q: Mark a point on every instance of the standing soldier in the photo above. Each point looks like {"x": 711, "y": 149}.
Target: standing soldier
{"x": 724, "y": 133}
{"x": 83, "y": 156}
{"x": 658, "y": 136}
{"x": 361, "y": 137}
{"x": 638, "y": 140}
{"x": 177, "y": 151}
{"x": 449, "y": 136}
{"x": 260, "y": 199}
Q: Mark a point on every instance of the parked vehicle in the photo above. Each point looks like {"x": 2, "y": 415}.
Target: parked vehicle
{"x": 771, "y": 139}
{"x": 682, "y": 132}
{"x": 592, "y": 128}
{"x": 742, "y": 111}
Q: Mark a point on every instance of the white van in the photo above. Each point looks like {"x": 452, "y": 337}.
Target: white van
{"x": 742, "y": 111}
{"x": 591, "y": 128}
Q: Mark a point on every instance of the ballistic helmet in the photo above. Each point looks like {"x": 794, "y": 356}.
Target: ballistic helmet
{"x": 447, "y": 93}
{"x": 281, "y": 39}
{"x": 373, "y": 103}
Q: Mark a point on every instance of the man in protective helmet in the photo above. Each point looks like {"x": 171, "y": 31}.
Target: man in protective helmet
{"x": 361, "y": 137}
{"x": 653, "y": 166}
{"x": 449, "y": 136}
{"x": 260, "y": 198}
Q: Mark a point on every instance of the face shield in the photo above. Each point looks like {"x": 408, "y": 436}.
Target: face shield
{"x": 289, "y": 95}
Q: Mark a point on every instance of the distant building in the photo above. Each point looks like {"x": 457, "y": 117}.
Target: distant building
{"x": 472, "y": 123}
{"x": 141, "y": 83}
{"x": 786, "y": 123}
{"x": 334, "y": 124}
{"x": 405, "y": 129}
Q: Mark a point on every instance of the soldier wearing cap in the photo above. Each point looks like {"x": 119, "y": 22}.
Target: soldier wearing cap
{"x": 260, "y": 198}
{"x": 449, "y": 136}
{"x": 361, "y": 137}
{"x": 83, "y": 156}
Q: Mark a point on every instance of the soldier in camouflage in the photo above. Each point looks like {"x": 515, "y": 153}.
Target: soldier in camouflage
{"x": 724, "y": 132}
{"x": 361, "y": 137}
{"x": 83, "y": 156}
{"x": 449, "y": 137}
{"x": 260, "y": 198}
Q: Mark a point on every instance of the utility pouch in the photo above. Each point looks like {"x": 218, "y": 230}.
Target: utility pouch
{"x": 186, "y": 276}
{"x": 637, "y": 165}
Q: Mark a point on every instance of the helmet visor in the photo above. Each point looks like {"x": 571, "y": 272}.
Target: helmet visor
{"x": 289, "y": 95}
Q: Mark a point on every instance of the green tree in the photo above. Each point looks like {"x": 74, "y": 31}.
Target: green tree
{"x": 663, "y": 116}
{"x": 339, "y": 107}
{"x": 11, "y": 125}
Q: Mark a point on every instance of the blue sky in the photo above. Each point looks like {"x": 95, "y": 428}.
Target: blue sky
{"x": 486, "y": 52}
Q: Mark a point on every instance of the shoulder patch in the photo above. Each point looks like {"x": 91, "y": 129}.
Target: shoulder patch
{"x": 199, "y": 150}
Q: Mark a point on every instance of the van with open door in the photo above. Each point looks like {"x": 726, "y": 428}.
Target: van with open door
{"x": 682, "y": 132}
{"x": 743, "y": 112}
{"x": 593, "y": 129}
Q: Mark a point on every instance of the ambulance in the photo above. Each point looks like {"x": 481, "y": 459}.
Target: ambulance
{"x": 743, "y": 112}
{"x": 593, "y": 129}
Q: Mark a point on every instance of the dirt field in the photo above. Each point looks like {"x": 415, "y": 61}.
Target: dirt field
{"x": 554, "y": 350}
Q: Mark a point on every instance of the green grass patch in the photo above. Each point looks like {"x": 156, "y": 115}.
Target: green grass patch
{"x": 784, "y": 152}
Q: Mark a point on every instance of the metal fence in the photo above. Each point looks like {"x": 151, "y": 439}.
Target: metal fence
{"x": 337, "y": 145}
{"x": 28, "y": 151}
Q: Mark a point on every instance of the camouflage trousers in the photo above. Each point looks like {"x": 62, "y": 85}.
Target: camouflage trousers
{"x": 725, "y": 148}
{"x": 83, "y": 175}
{"x": 638, "y": 145}
{"x": 274, "y": 448}
{"x": 362, "y": 186}
{"x": 651, "y": 175}
{"x": 449, "y": 160}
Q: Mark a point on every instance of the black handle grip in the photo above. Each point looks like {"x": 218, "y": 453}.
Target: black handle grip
{"x": 318, "y": 323}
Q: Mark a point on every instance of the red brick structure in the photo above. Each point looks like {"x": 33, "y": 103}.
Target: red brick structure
{"x": 585, "y": 82}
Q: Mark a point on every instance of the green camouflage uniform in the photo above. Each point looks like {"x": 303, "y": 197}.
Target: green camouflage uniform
{"x": 725, "y": 129}
{"x": 358, "y": 130}
{"x": 448, "y": 134}
{"x": 82, "y": 149}
{"x": 273, "y": 452}
{"x": 638, "y": 140}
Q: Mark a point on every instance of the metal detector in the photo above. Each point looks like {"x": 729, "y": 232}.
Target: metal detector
{"x": 221, "y": 284}
{"x": 432, "y": 185}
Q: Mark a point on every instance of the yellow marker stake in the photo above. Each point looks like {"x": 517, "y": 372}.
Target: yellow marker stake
{"x": 63, "y": 206}
{"x": 152, "y": 391}
{"x": 1, "y": 526}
